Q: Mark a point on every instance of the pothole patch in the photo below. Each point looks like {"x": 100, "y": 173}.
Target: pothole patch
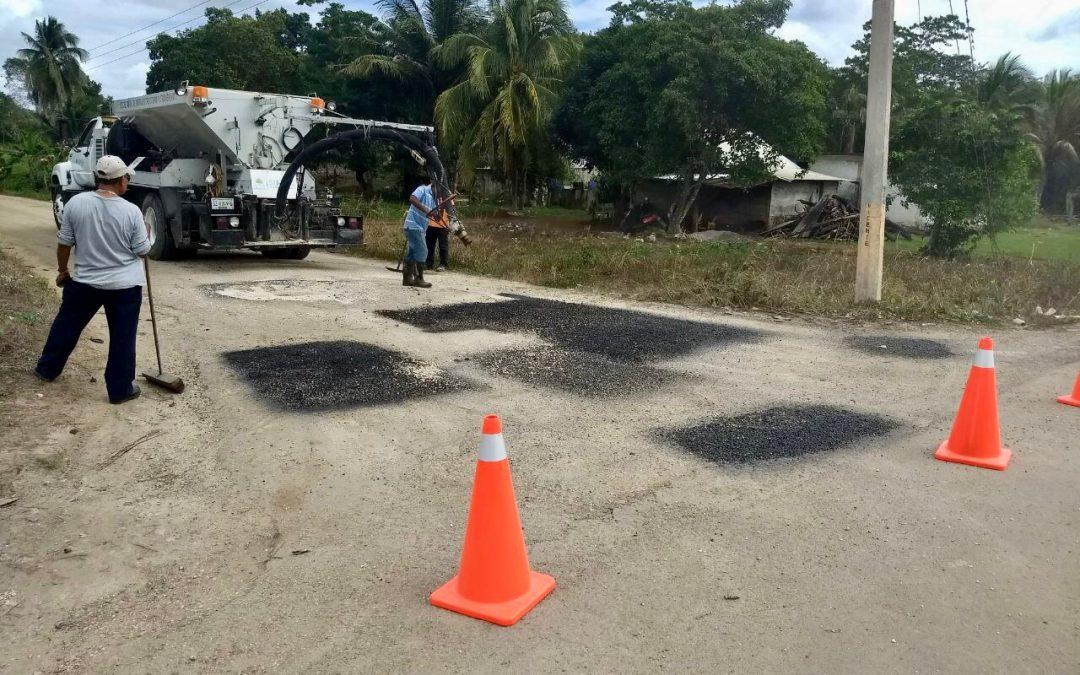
{"x": 616, "y": 334}
{"x": 323, "y": 376}
{"x": 906, "y": 347}
{"x": 579, "y": 373}
{"x": 778, "y": 433}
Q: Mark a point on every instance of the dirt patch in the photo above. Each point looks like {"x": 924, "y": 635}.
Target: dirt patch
{"x": 909, "y": 348}
{"x": 616, "y": 334}
{"x": 293, "y": 290}
{"x": 576, "y": 372}
{"x": 777, "y": 433}
{"x": 320, "y": 376}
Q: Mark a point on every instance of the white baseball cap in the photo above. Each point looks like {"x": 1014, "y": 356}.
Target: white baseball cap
{"x": 111, "y": 167}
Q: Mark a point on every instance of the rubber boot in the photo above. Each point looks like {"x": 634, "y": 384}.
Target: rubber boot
{"x": 419, "y": 282}
{"x": 407, "y": 276}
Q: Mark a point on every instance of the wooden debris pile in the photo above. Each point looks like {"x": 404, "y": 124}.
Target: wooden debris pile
{"x": 832, "y": 217}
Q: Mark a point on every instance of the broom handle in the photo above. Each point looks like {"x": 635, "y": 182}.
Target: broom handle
{"x": 153, "y": 319}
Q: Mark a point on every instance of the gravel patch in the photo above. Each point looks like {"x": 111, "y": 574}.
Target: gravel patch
{"x": 616, "y": 334}
{"x": 579, "y": 373}
{"x": 777, "y": 433}
{"x": 321, "y": 376}
{"x": 909, "y": 348}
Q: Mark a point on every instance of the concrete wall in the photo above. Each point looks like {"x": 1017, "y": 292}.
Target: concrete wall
{"x": 785, "y": 201}
{"x": 847, "y": 167}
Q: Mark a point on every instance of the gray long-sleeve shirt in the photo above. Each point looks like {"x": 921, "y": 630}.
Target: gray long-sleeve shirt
{"x": 109, "y": 235}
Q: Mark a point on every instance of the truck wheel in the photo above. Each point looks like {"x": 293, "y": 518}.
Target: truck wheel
{"x": 57, "y": 198}
{"x": 157, "y": 229}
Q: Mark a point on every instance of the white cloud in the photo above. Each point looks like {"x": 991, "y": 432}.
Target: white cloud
{"x": 20, "y": 8}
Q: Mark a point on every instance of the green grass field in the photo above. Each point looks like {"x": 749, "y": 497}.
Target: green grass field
{"x": 1046, "y": 240}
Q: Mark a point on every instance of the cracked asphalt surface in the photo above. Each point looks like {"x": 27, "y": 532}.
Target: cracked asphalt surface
{"x": 178, "y": 555}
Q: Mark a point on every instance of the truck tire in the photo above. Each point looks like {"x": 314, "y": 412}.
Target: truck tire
{"x": 56, "y": 196}
{"x": 157, "y": 228}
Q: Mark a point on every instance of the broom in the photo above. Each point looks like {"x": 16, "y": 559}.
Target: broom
{"x": 162, "y": 379}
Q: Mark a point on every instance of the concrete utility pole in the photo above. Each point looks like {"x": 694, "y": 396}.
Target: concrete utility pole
{"x": 875, "y": 161}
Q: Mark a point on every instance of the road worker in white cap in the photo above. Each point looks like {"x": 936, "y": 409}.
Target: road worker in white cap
{"x": 109, "y": 237}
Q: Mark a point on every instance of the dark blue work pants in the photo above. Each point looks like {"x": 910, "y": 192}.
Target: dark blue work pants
{"x": 81, "y": 302}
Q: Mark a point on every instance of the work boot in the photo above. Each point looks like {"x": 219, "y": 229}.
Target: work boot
{"x": 407, "y": 276}
{"x": 419, "y": 280}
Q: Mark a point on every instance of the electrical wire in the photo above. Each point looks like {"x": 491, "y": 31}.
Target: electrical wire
{"x": 150, "y": 25}
{"x": 143, "y": 49}
{"x": 165, "y": 30}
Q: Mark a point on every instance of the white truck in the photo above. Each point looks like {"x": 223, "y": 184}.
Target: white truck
{"x": 213, "y": 160}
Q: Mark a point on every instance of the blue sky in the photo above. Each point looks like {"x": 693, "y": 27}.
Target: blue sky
{"x": 1046, "y": 33}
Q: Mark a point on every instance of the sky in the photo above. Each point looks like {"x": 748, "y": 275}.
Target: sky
{"x": 1045, "y": 32}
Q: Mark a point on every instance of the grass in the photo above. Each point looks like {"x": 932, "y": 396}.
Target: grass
{"x": 1045, "y": 240}
{"x": 26, "y": 305}
{"x": 28, "y": 193}
{"x": 774, "y": 275}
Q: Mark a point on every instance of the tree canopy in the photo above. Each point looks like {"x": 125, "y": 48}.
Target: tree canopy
{"x": 513, "y": 74}
{"x": 670, "y": 88}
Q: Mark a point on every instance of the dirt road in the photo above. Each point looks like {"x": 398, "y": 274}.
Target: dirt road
{"x": 301, "y": 500}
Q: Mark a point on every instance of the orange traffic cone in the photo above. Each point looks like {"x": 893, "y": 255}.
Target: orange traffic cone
{"x": 494, "y": 583}
{"x": 1074, "y": 397}
{"x": 975, "y": 437}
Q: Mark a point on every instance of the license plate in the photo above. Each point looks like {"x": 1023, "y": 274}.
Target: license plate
{"x": 222, "y": 203}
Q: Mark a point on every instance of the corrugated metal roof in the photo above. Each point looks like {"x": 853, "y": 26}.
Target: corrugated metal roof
{"x": 787, "y": 170}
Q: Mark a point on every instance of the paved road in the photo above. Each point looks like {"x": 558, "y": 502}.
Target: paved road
{"x": 297, "y": 507}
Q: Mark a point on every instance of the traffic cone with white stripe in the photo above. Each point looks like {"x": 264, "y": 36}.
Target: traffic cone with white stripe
{"x": 1074, "y": 397}
{"x": 975, "y": 437}
{"x": 494, "y": 582}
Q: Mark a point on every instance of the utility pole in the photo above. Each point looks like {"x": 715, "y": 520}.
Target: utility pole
{"x": 875, "y": 161}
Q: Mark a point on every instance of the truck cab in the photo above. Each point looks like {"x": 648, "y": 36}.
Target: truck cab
{"x": 76, "y": 173}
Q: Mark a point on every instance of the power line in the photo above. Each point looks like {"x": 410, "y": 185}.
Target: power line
{"x": 970, "y": 32}
{"x": 166, "y": 30}
{"x": 150, "y": 25}
{"x": 143, "y": 49}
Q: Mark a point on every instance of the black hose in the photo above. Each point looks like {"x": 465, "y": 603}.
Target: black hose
{"x": 421, "y": 145}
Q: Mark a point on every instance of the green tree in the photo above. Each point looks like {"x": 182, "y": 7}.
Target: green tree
{"x": 255, "y": 53}
{"x": 48, "y": 68}
{"x": 672, "y": 89}
{"x": 340, "y": 38}
{"x": 1053, "y": 126}
{"x": 514, "y": 68}
{"x": 404, "y": 44}
{"x": 956, "y": 146}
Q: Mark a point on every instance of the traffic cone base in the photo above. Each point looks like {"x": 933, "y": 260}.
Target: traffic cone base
{"x": 997, "y": 463}
{"x": 1070, "y": 400}
{"x": 505, "y": 613}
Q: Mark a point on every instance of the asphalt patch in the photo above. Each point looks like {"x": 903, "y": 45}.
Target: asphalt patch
{"x": 909, "y": 348}
{"x": 778, "y": 433}
{"x": 322, "y": 376}
{"x": 579, "y": 373}
{"x": 616, "y": 334}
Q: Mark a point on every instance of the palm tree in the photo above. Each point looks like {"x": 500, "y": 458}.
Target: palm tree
{"x": 1008, "y": 84}
{"x": 407, "y": 38}
{"x": 1054, "y": 128}
{"x": 514, "y": 67}
{"x": 49, "y": 67}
